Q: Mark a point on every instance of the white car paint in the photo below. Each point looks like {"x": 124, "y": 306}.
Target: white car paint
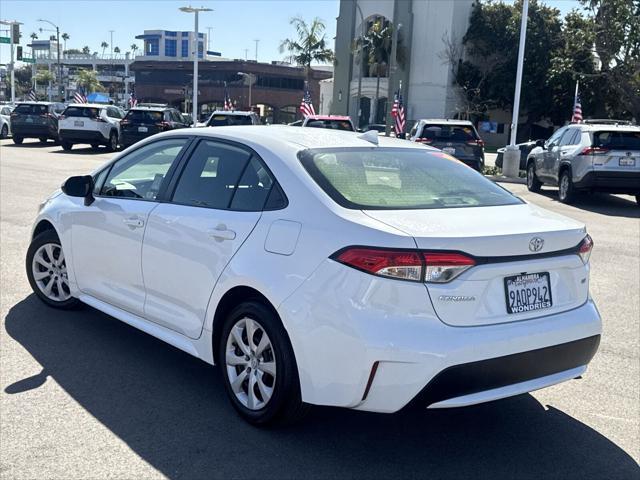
{"x": 5, "y": 118}
{"x": 77, "y": 127}
{"x": 164, "y": 268}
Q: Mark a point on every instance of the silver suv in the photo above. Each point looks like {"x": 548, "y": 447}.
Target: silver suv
{"x": 602, "y": 156}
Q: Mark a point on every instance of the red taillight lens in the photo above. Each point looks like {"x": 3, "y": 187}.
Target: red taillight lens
{"x": 404, "y": 265}
{"x": 424, "y": 140}
{"x": 444, "y": 267}
{"x": 163, "y": 125}
{"x": 585, "y": 248}
{"x": 433, "y": 267}
{"x": 124, "y": 122}
{"x": 476, "y": 143}
{"x": 594, "y": 151}
{"x": 100, "y": 120}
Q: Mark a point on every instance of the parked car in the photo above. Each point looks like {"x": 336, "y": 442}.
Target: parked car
{"x": 223, "y": 118}
{"x": 592, "y": 157}
{"x": 333, "y": 122}
{"x": 35, "y": 120}
{"x": 142, "y": 122}
{"x": 332, "y": 269}
{"x": 524, "y": 148}
{"x": 458, "y": 138}
{"x": 5, "y": 121}
{"x": 95, "y": 124}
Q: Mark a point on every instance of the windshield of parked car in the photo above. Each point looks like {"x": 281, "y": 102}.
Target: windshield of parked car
{"x": 617, "y": 140}
{"x": 31, "y": 109}
{"x": 223, "y": 120}
{"x": 332, "y": 124}
{"x": 144, "y": 116}
{"x": 87, "y": 112}
{"x": 449, "y": 133}
{"x": 400, "y": 178}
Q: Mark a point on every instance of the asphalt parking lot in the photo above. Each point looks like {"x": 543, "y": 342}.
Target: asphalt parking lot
{"x": 83, "y": 396}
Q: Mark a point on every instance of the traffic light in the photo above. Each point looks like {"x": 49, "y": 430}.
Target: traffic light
{"x": 15, "y": 33}
{"x": 19, "y": 52}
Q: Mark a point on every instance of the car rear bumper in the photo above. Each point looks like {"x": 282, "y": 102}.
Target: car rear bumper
{"x": 376, "y": 344}
{"x": 127, "y": 138}
{"x": 80, "y": 136}
{"x": 611, "y": 182}
{"x": 33, "y": 131}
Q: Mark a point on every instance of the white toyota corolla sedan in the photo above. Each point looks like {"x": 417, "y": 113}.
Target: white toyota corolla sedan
{"x": 324, "y": 267}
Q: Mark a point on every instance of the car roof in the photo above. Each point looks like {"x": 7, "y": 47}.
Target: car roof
{"x": 328, "y": 117}
{"x": 90, "y": 105}
{"x": 233, "y": 112}
{"x": 35, "y": 103}
{"x": 151, "y": 109}
{"x": 446, "y": 121}
{"x": 605, "y": 126}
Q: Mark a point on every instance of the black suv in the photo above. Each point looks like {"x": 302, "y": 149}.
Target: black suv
{"x": 142, "y": 122}
{"x": 35, "y": 120}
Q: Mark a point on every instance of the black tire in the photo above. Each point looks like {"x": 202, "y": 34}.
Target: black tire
{"x": 4, "y": 133}
{"x": 17, "y": 140}
{"x": 566, "y": 191}
{"x": 638, "y": 200}
{"x": 533, "y": 184}
{"x": 95, "y": 146}
{"x": 43, "y": 139}
{"x": 46, "y": 237}
{"x": 285, "y": 405}
{"x": 67, "y": 145}
{"x": 112, "y": 146}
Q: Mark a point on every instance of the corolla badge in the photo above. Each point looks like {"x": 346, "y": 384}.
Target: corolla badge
{"x": 536, "y": 244}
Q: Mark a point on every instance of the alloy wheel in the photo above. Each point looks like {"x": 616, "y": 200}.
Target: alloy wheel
{"x": 530, "y": 176}
{"x": 50, "y": 272}
{"x": 564, "y": 186}
{"x": 250, "y": 363}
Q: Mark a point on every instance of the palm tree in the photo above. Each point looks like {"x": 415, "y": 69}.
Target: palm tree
{"x": 87, "y": 79}
{"x": 104, "y": 45}
{"x": 310, "y": 46}
{"x": 65, "y": 37}
{"x": 86, "y": 50}
{"x": 376, "y": 44}
{"x": 134, "y": 47}
{"x": 116, "y": 50}
{"x": 33, "y": 35}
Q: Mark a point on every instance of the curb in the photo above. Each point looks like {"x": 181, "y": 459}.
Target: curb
{"x": 503, "y": 179}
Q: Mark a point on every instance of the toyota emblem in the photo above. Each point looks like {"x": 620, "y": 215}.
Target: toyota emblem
{"x": 536, "y": 244}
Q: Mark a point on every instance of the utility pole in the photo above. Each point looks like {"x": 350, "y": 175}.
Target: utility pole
{"x": 361, "y": 55}
{"x": 111, "y": 43}
{"x": 257, "y": 40}
{"x": 209, "y": 38}
{"x": 14, "y": 37}
{"x": 58, "y": 50}
{"x": 246, "y": 52}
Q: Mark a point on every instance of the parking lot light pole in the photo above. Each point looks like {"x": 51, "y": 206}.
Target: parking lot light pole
{"x": 511, "y": 158}
{"x": 196, "y": 51}
{"x": 12, "y": 41}
{"x": 58, "y": 45}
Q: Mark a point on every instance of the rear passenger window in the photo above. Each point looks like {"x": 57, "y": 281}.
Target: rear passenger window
{"x": 253, "y": 188}
{"x": 211, "y": 175}
{"x": 570, "y": 137}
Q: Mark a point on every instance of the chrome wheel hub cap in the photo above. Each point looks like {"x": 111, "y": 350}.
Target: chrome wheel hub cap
{"x": 250, "y": 363}
{"x": 50, "y": 272}
{"x": 564, "y": 186}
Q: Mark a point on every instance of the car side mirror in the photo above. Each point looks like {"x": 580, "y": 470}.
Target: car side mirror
{"x": 80, "y": 186}
{"x": 540, "y": 143}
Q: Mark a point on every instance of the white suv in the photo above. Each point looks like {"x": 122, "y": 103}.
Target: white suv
{"x": 90, "y": 123}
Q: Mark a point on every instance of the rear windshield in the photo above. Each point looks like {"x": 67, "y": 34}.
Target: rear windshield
{"x": 223, "y": 120}
{"x": 87, "y": 112}
{"x": 400, "y": 179}
{"x": 449, "y": 133}
{"x": 144, "y": 116}
{"x": 332, "y": 124}
{"x": 617, "y": 140}
{"x": 29, "y": 109}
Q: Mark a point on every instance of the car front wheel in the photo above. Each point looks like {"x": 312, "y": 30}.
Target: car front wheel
{"x": 533, "y": 184}
{"x": 47, "y": 271}
{"x": 566, "y": 191}
{"x": 17, "y": 140}
{"x": 67, "y": 145}
{"x": 258, "y": 366}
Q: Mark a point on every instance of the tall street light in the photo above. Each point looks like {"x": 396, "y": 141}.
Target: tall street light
{"x": 249, "y": 78}
{"x": 511, "y": 159}
{"x": 58, "y": 44}
{"x": 196, "y": 51}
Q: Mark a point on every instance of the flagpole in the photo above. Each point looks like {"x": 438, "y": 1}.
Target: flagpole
{"x": 575, "y": 96}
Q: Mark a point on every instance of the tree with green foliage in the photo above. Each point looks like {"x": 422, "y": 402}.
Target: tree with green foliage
{"x": 104, "y": 45}
{"x": 88, "y": 80}
{"x": 134, "y": 47}
{"x": 116, "y": 50}
{"x": 310, "y": 45}
{"x": 86, "y": 50}
{"x": 65, "y": 37}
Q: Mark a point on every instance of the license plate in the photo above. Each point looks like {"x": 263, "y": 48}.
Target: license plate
{"x": 78, "y": 123}
{"x": 527, "y": 292}
{"x": 28, "y": 120}
{"x": 449, "y": 150}
{"x": 627, "y": 162}
{"x": 143, "y": 129}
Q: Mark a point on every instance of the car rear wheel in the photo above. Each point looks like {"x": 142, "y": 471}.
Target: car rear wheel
{"x": 67, "y": 145}
{"x": 258, "y": 366}
{"x": 17, "y": 140}
{"x": 47, "y": 271}
{"x": 533, "y": 184}
{"x": 43, "y": 139}
{"x": 4, "y": 133}
{"x": 112, "y": 146}
{"x": 566, "y": 191}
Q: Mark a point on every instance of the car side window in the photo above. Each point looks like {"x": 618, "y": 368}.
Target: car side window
{"x": 112, "y": 112}
{"x": 553, "y": 140}
{"x": 211, "y": 175}
{"x": 253, "y": 188}
{"x": 140, "y": 174}
{"x": 568, "y": 137}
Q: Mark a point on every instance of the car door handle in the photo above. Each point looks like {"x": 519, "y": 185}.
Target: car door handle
{"x": 133, "y": 222}
{"x": 221, "y": 233}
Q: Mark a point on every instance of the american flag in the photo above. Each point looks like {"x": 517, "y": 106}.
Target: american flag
{"x": 306, "y": 106}
{"x": 32, "y": 95}
{"x": 227, "y": 99}
{"x": 397, "y": 112}
{"x": 133, "y": 100}
{"x": 79, "y": 96}
{"x": 577, "y": 108}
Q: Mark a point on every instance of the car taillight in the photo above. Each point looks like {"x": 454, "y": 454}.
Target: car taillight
{"x": 476, "y": 143}
{"x": 593, "y": 151}
{"x": 417, "y": 266}
{"x": 61, "y": 117}
{"x": 424, "y": 140}
{"x": 585, "y": 248}
{"x": 163, "y": 125}
{"x": 442, "y": 267}
{"x": 405, "y": 265}
{"x": 124, "y": 122}
{"x": 100, "y": 120}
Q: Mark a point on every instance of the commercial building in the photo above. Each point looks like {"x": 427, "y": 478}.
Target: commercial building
{"x": 424, "y": 29}
{"x": 169, "y": 45}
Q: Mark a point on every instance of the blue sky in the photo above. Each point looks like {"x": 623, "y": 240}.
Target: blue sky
{"x": 235, "y": 23}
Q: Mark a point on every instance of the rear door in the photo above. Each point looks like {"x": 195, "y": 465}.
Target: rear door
{"x": 217, "y": 202}
{"x": 461, "y": 141}
{"x": 619, "y": 151}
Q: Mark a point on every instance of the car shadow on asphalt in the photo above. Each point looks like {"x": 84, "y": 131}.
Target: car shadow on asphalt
{"x": 171, "y": 410}
{"x": 82, "y": 151}
{"x": 602, "y": 203}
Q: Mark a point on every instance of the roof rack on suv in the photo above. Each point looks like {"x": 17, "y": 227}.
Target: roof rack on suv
{"x": 607, "y": 121}
{"x": 151, "y": 105}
